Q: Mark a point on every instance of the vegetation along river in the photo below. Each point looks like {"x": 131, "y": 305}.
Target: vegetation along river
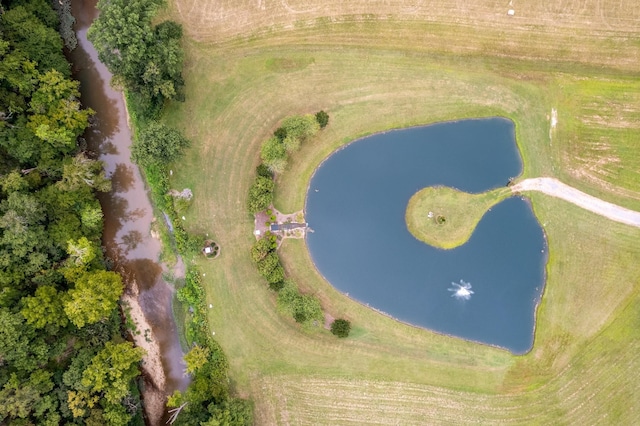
{"x": 128, "y": 213}
{"x": 486, "y": 290}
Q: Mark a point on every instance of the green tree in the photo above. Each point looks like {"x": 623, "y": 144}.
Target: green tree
{"x": 112, "y": 369}
{"x": 322, "y": 118}
{"x": 262, "y": 247}
{"x": 274, "y": 155}
{"x": 158, "y": 144}
{"x": 91, "y": 218}
{"x": 45, "y": 308}
{"x": 21, "y": 397}
{"x": 162, "y": 76}
{"x": 36, "y": 37}
{"x": 264, "y": 171}
{"x": 341, "y": 327}
{"x": 20, "y": 347}
{"x": 301, "y": 127}
{"x": 291, "y": 143}
{"x": 94, "y": 296}
{"x": 57, "y": 117}
{"x": 121, "y": 34}
{"x": 270, "y": 268}
{"x": 196, "y": 358}
{"x": 24, "y": 247}
{"x": 260, "y": 194}
{"x": 303, "y": 308}
{"x": 146, "y": 60}
{"x": 82, "y": 254}
{"x": 81, "y": 171}
{"x": 13, "y": 182}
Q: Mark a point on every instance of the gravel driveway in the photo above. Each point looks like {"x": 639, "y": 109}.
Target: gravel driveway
{"x": 555, "y": 188}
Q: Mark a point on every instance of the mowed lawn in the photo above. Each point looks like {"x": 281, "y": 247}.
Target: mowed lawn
{"x": 373, "y": 69}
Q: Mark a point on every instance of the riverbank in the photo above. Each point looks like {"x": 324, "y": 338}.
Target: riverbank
{"x": 128, "y": 218}
{"x": 143, "y": 337}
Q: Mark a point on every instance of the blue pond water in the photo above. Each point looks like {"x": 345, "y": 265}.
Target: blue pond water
{"x": 356, "y": 205}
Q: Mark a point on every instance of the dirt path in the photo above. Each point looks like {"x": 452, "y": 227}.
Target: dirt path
{"x": 555, "y": 188}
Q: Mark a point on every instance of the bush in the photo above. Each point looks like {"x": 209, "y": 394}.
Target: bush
{"x": 322, "y": 118}
{"x": 192, "y": 293}
{"x": 341, "y": 327}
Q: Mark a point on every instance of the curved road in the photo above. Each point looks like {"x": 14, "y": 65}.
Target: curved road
{"x": 555, "y": 188}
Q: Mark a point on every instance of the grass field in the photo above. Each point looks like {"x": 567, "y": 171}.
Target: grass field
{"x": 376, "y": 65}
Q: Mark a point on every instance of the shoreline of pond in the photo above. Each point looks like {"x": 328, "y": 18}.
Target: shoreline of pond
{"x": 312, "y": 189}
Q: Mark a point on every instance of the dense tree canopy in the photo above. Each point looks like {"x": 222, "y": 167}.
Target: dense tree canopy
{"x": 58, "y": 304}
{"x": 144, "y": 59}
{"x": 94, "y": 296}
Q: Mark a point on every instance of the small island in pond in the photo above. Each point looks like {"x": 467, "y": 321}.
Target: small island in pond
{"x": 445, "y": 217}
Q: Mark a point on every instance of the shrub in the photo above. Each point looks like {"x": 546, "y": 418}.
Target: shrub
{"x": 181, "y": 205}
{"x": 322, "y": 118}
{"x": 341, "y": 327}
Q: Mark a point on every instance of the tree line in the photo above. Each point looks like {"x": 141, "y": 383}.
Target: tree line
{"x": 274, "y": 153}
{"x": 63, "y": 357}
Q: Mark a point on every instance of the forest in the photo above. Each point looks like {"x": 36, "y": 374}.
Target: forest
{"x": 63, "y": 357}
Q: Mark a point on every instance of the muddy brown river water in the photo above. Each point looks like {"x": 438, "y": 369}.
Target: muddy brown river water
{"x": 128, "y": 214}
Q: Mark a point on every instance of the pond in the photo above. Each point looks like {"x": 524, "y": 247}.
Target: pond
{"x": 486, "y": 290}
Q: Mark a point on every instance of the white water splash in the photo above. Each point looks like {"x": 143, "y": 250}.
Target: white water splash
{"x": 461, "y": 291}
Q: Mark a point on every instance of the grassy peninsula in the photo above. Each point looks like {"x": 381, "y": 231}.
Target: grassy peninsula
{"x": 446, "y": 217}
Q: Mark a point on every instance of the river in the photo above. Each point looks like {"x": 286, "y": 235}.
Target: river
{"x": 128, "y": 217}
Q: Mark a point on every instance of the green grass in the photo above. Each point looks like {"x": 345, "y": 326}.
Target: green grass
{"x": 372, "y": 76}
{"x": 446, "y": 217}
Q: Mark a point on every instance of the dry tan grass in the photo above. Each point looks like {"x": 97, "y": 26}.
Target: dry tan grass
{"x": 222, "y": 19}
